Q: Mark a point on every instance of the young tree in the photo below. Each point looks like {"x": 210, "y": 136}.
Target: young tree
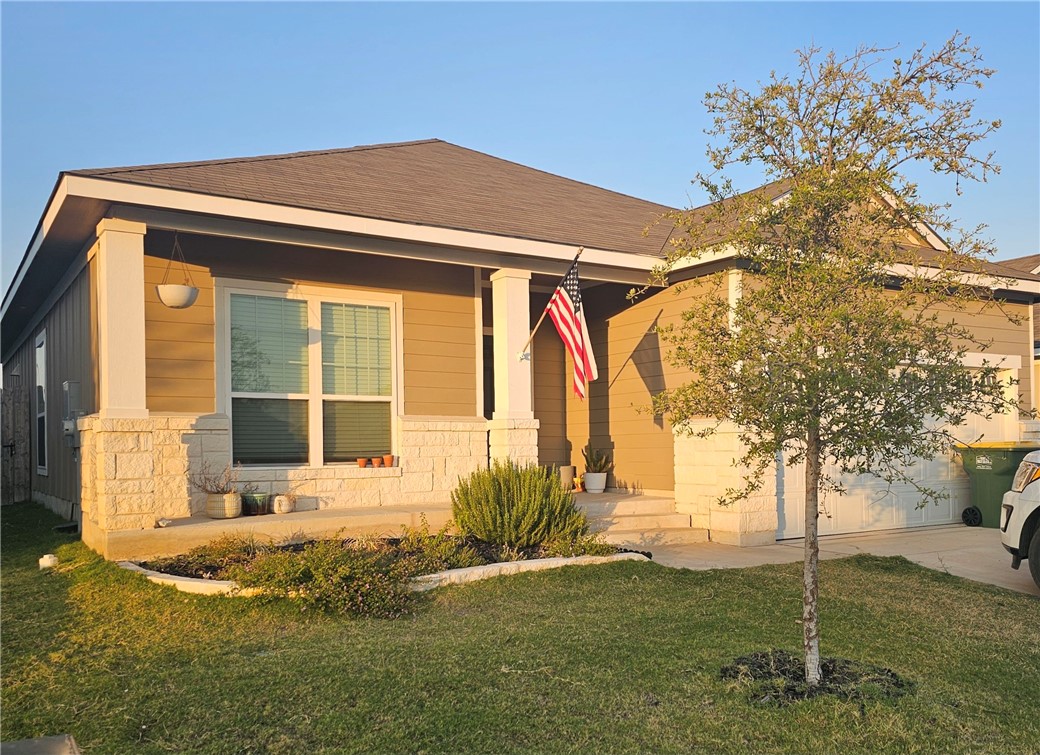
{"x": 843, "y": 349}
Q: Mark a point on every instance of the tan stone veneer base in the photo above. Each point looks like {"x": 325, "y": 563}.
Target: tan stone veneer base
{"x": 135, "y": 471}
{"x": 423, "y": 583}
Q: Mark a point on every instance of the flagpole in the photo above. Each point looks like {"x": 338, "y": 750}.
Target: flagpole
{"x": 523, "y": 351}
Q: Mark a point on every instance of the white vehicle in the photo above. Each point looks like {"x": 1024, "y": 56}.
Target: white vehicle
{"x": 1020, "y": 516}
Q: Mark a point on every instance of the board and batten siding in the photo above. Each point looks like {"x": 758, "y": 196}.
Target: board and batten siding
{"x": 439, "y": 334}
{"x": 71, "y": 355}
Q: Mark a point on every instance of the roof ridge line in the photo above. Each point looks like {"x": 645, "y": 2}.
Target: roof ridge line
{"x": 252, "y": 158}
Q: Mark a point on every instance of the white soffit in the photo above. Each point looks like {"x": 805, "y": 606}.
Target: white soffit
{"x": 125, "y": 193}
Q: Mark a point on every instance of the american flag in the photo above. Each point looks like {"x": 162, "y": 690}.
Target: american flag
{"x": 567, "y": 315}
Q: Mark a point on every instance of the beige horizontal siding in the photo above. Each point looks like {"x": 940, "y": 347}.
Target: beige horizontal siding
{"x": 552, "y": 382}
{"x": 179, "y": 349}
{"x": 439, "y": 335}
{"x": 632, "y": 369}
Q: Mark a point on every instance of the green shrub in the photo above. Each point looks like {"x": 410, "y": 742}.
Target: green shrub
{"x": 329, "y": 576}
{"x": 516, "y": 506}
{"x": 424, "y": 553}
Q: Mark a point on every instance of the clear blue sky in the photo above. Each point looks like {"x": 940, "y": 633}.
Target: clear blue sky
{"x": 606, "y": 93}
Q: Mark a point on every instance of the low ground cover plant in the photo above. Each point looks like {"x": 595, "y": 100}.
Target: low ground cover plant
{"x": 365, "y": 576}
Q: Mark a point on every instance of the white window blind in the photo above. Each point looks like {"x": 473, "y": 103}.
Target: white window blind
{"x": 271, "y": 379}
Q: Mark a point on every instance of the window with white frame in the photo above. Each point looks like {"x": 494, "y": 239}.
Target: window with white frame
{"x": 311, "y": 379}
{"x": 41, "y": 403}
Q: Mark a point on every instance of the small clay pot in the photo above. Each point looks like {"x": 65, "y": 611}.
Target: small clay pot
{"x": 362, "y": 463}
{"x": 377, "y": 461}
{"x": 388, "y": 460}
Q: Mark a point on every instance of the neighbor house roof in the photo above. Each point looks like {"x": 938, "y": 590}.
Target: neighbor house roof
{"x": 1026, "y": 264}
{"x": 427, "y": 182}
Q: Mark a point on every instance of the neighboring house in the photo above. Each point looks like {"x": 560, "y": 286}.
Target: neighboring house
{"x": 1030, "y": 264}
{"x": 366, "y": 301}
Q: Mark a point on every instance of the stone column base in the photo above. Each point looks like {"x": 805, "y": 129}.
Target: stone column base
{"x": 515, "y": 439}
{"x": 704, "y": 470}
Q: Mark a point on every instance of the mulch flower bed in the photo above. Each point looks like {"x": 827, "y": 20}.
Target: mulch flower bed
{"x": 777, "y": 677}
{"x": 215, "y": 560}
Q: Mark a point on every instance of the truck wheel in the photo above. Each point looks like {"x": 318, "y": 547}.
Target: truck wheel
{"x": 1034, "y": 556}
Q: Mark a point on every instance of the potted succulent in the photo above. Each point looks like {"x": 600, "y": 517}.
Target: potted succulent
{"x": 222, "y": 498}
{"x": 597, "y": 465}
{"x": 255, "y": 503}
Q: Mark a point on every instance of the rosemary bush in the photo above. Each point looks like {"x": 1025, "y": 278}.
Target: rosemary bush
{"x": 516, "y": 506}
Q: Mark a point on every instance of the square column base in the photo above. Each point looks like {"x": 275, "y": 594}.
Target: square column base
{"x": 515, "y": 439}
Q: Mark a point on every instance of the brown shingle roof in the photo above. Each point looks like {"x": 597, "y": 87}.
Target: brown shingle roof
{"x": 426, "y": 183}
{"x": 1026, "y": 264}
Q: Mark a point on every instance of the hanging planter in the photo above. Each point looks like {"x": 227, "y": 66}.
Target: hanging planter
{"x": 177, "y": 295}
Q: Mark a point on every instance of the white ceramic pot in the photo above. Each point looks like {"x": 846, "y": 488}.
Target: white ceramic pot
{"x": 176, "y": 296}
{"x": 223, "y": 505}
{"x": 283, "y": 504}
{"x": 595, "y": 482}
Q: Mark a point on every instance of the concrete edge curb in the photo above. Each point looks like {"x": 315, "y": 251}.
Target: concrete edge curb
{"x": 418, "y": 584}
{"x": 477, "y": 573}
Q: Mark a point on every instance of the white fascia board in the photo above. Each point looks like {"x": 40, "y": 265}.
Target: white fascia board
{"x": 117, "y": 192}
{"x": 1007, "y": 283}
{"x": 981, "y": 280}
{"x": 725, "y": 251}
{"x": 49, "y": 215}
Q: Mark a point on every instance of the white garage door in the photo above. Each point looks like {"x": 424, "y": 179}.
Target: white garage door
{"x": 871, "y": 504}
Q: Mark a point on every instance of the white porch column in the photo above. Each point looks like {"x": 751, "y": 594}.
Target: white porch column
{"x": 120, "y": 302}
{"x": 513, "y": 428}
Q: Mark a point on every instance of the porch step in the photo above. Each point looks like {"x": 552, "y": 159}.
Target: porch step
{"x": 644, "y": 539}
{"x": 638, "y": 521}
{"x": 605, "y": 505}
{"x": 629, "y": 522}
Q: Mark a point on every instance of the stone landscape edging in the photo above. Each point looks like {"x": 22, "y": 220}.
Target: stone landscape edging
{"x": 421, "y": 583}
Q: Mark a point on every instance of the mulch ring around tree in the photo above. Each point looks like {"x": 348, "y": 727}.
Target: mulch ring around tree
{"x": 777, "y": 677}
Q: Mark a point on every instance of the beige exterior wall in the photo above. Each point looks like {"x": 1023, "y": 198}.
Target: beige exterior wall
{"x": 440, "y": 339}
{"x": 551, "y": 383}
{"x": 632, "y": 369}
{"x": 71, "y": 354}
{"x": 179, "y": 366}
{"x": 993, "y": 323}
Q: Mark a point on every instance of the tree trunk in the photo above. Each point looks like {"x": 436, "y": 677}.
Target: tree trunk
{"x": 811, "y": 571}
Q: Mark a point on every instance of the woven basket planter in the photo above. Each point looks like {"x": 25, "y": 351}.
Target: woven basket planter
{"x": 223, "y": 505}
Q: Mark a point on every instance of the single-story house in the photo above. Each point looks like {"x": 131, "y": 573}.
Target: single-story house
{"x": 365, "y": 301}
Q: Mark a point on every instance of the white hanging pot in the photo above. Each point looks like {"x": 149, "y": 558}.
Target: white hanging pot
{"x": 177, "y": 296}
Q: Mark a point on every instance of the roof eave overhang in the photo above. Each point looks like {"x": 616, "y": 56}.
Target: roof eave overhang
{"x": 127, "y": 195}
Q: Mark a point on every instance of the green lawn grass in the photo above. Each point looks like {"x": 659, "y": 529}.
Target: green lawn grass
{"x": 616, "y": 658}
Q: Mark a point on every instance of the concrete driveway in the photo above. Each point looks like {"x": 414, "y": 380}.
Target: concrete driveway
{"x": 971, "y": 552}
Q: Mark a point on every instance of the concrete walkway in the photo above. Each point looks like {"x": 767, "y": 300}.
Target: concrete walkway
{"x": 971, "y": 552}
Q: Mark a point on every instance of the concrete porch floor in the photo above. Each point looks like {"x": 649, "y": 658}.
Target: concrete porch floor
{"x": 974, "y": 553}
{"x": 184, "y": 534}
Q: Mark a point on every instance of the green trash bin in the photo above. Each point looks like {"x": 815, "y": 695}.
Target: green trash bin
{"x": 991, "y": 468}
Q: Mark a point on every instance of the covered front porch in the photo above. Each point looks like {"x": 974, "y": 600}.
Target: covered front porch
{"x": 625, "y": 519}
